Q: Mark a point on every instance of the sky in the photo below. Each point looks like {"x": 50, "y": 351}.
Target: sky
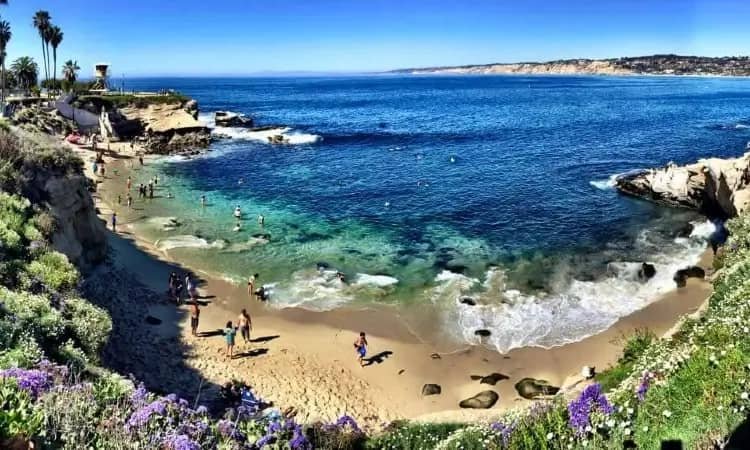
{"x": 244, "y": 37}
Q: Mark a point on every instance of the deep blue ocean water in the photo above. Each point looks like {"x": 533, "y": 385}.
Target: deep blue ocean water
{"x": 423, "y": 189}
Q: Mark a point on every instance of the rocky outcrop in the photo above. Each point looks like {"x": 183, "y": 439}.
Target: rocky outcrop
{"x": 431, "y": 389}
{"x": 36, "y": 120}
{"x": 681, "y": 276}
{"x": 167, "y": 128}
{"x": 230, "y": 119}
{"x": 715, "y": 187}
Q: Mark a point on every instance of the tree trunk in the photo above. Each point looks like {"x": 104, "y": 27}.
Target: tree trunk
{"x": 54, "y": 67}
{"x": 44, "y": 58}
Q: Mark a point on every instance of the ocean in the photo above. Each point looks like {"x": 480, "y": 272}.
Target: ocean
{"x": 426, "y": 190}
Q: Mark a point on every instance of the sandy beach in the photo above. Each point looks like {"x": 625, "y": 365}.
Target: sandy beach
{"x": 305, "y": 359}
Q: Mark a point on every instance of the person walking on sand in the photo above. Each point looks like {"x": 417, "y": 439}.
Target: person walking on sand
{"x": 246, "y": 325}
{"x": 360, "y": 345}
{"x": 129, "y": 200}
{"x": 229, "y": 333}
{"x": 130, "y": 182}
{"x": 195, "y": 314}
{"x": 190, "y": 287}
{"x": 114, "y": 221}
{"x": 140, "y": 160}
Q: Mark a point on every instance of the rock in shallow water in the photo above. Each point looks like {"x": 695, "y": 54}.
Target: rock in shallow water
{"x": 466, "y": 300}
{"x": 431, "y": 389}
{"x": 483, "y": 333}
{"x": 483, "y": 400}
{"x": 647, "y": 271}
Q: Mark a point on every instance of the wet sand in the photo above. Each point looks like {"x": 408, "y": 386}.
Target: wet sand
{"x": 306, "y": 359}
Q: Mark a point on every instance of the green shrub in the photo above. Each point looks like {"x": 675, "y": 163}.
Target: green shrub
{"x": 25, "y": 352}
{"x": 634, "y": 347}
{"x": 35, "y": 315}
{"x": 89, "y": 325}
{"x": 408, "y": 436}
{"x": 54, "y": 270}
{"x": 18, "y": 417}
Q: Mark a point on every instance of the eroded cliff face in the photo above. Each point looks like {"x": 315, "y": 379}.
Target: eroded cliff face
{"x": 78, "y": 233}
{"x": 716, "y": 187}
{"x": 168, "y": 128}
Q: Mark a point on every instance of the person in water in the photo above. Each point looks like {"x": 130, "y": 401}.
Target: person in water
{"x": 237, "y": 227}
{"x": 237, "y": 212}
{"x": 203, "y": 201}
{"x": 261, "y": 220}
{"x": 360, "y": 345}
{"x": 246, "y": 325}
{"x": 229, "y": 333}
{"x": 195, "y": 314}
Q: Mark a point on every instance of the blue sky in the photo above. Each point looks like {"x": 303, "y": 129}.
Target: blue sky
{"x": 235, "y": 37}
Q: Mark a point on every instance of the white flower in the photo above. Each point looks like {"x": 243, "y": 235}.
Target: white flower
{"x": 723, "y": 353}
{"x": 630, "y": 411}
{"x": 744, "y": 396}
{"x": 550, "y": 436}
{"x": 746, "y": 329}
{"x": 645, "y": 429}
{"x": 719, "y": 408}
{"x": 627, "y": 431}
{"x": 611, "y": 423}
{"x": 667, "y": 413}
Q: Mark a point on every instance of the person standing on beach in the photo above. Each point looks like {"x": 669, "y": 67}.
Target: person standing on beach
{"x": 129, "y": 200}
{"x": 156, "y": 179}
{"x": 360, "y": 345}
{"x": 150, "y": 190}
{"x": 119, "y": 199}
{"x": 229, "y": 333}
{"x": 190, "y": 287}
{"x": 140, "y": 160}
{"x": 130, "y": 182}
{"x": 195, "y": 314}
{"x": 251, "y": 285}
{"x": 114, "y": 221}
{"x": 246, "y": 325}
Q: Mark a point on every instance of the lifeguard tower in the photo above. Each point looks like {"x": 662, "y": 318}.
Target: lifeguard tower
{"x": 101, "y": 77}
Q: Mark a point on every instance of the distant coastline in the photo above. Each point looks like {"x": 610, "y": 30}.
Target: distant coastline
{"x": 731, "y": 66}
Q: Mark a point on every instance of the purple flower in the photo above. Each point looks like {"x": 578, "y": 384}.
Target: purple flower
{"x": 228, "y": 429}
{"x": 139, "y": 396}
{"x": 172, "y": 398}
{"x": 579, "y": 410}
{"x": 265, "y": 440}
{"x": 202, "y": 410}
{"x": 181, "y": 442}
{"x": 33, "y": 381}
{"x": 349, "y": 421}
{"x": 505, "y": 431}
{"x": 299, "y": 440}
{"x": 143, "y": 415}
{"x": 643, "y": 387}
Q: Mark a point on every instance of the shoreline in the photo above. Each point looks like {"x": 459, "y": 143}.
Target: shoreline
{"x": 311, "y": 366}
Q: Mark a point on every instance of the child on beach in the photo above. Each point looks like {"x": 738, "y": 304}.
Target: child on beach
{"x": 360, "y": 345}
{"x": 195, "y": 313}
{"x": 229, "y": 333}
{"x": 246, "y": 325}
{"x": 251, "y": 285}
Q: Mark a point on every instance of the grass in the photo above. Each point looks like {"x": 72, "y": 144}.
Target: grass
{"x": 110, "y": 102}
{"x": 634, "y": 347}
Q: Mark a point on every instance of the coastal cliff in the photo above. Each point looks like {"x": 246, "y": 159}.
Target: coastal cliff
{"x": 53, "y": 181}
{"x": 639, "y": 65}
{"x": 715, "y": 187}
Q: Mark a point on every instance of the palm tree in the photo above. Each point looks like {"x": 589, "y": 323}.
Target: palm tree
{"x": 25, "y": 70}
{"x": 56, "y": 37}
{"x": 70, "y": 72}
{"x": 5, "y": 36}
{"x": 42, "y": 22}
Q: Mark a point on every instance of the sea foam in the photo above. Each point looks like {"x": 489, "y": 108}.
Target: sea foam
{"x": 188, "y": 241}
{"x": 579, "y": 309}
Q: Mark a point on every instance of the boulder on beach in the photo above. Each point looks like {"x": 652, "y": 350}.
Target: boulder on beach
{"x": 490, "y": 379}
{"x": 431, "y": 389}
{"x": 647, "y": 271}
{"x": 483, "y": 400}
{"x": 681, "y": 276}
{"x": 483, "y": 333}
{"x": 466, "y": 300}
{"x": 530, "y": 388}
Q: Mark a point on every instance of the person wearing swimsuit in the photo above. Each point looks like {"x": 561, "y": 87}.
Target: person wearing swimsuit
{"x": 360, "y": 345}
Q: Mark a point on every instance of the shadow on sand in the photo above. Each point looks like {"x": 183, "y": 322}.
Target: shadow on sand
{"x": 378, "y": 359}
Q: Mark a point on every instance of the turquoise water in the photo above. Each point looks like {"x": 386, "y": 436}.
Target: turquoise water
{"x": 425, "y": 189}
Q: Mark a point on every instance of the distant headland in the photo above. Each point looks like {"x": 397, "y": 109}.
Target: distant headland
{"x": 637, "y": 65}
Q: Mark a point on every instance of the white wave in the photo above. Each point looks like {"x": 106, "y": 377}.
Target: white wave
{"x": 702, "y": 230}
{"x": 374, "y": 280}
{"x": 289, "y": 136}
{"x": 247, "y": 245}
{"x": 741, "y": 126}
{"x": 317, "y": 290}
{"x": 165, "y": 223}
{"x": 605, "y": 185}
{"x": 578, "y": 310}
{"x": 187, "y": 241}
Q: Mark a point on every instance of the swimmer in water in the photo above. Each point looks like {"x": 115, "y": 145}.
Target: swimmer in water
{"x": 261, "y": 220}
{"x": 240, "y": 181}
{"x": 237, "y": 227}
{"x": 453, "y": 159}
{"x": 203, "y": 201}
{"x": 169, "y": 195}
{"x": 237, "y": 212}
